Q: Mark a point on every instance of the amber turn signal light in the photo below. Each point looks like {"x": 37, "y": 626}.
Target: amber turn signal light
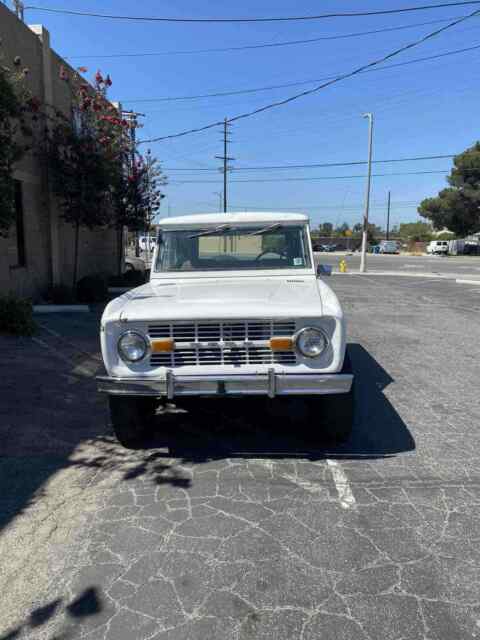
{"x": 281, "y": 344}
{"x": 165, "y": 345}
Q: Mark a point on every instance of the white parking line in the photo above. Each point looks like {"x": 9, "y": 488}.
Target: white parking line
{"x": 345, "y": 494}
{"x": 304, "y": 484}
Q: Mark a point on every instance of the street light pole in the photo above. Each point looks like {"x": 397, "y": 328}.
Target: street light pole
{"x": 363, "y": 261}
{"x": 388, "y": 217}
{"x": 220, "y": 199}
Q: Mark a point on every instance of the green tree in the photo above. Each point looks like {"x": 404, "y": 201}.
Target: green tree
{"x": 325, "y": 229}
{"x": 342, "y": 229}
{"x": 457, "y": 207}
{"x": 85, "y": 155}
{"x": 415, "y": 231}
{"x": 18, "y": 112}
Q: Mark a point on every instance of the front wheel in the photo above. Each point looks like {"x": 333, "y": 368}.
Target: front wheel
{"x": 130, "y": 418}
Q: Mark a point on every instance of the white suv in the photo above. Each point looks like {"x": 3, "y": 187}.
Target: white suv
{"x": 437, "y": 247}
{"x": 235, "y": 307}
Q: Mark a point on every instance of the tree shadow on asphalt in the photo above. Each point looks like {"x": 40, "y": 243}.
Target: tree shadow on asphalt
{"x": 86, "y": 605}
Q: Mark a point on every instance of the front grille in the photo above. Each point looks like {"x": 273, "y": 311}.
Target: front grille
{"x": 253, "y": 333}
{"x": 219, "y": 331}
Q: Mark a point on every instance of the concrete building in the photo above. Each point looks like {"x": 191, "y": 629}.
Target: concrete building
{"x": 39, "y": 249}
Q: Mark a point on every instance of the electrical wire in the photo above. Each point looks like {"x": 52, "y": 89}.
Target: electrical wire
{"x": 375, "y": 175}
{"x": 322, "y": 16}
{"x": 316, "y": 164}
{"x": 266, "y": 45}
{"x": 221, "y": 94}
{"x": 344, "y": 76}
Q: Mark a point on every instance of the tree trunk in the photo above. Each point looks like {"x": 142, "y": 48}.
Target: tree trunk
{"x": 120, "y": 250}
{"x": 75, "y": 256}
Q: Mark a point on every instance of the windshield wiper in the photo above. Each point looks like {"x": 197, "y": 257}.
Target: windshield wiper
{"x": 265, "y": 230}
{"x": 211, "y": 232}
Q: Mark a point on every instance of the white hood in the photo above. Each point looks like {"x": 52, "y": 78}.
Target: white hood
{"x": 226, "y": 298}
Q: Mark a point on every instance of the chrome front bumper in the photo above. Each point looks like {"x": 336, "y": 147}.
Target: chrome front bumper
{"x": 270, "y": 384}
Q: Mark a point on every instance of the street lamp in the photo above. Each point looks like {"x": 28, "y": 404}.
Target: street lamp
{"x": 363, "y": 260}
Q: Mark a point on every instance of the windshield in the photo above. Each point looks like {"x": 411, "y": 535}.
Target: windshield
{"x": 233, "y": 248}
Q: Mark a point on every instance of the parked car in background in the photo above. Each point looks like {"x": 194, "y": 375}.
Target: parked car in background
{"x": 437, "y": 247}
{"x": 134, "y": 264}
{"x": 389, "y": 246}
{"x": 235, "y": 308}
{"x": 329, "y": 247}
{"x": 374, "y": 248}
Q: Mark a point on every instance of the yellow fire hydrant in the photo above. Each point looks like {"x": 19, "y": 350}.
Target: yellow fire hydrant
{"x": 342, "y": 266}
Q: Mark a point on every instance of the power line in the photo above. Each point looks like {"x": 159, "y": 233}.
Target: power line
{"x": 375, "y": 175}
{"x": 221, "y": 94}
{"x": 316, "y": 164}
{"x": 265, "y": 45}
{"x": 345, "y": 76}
{"x": 322, "y": 16}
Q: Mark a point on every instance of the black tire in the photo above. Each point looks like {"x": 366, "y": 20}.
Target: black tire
{"x": 130, "y": 418}
{"x": 331, "y": 416}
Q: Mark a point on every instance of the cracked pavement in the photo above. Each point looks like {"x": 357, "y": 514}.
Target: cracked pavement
{"x": 231, "y": 524}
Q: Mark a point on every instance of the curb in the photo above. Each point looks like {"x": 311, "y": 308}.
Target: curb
{"x": 477, "y": 282}
{"x": 61, "y": 308}
{"x": 401, "y": 274}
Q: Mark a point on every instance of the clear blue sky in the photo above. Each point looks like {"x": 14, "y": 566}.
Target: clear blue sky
{"x": 428, "y": 108}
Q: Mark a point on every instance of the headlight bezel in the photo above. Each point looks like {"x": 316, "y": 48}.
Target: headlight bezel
{"x": 297, "y": 341}
{"x": 122, "y": 354}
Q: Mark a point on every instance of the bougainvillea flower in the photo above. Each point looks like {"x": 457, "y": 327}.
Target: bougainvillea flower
{"x": 99, "y": 78}
{"x": 82, "y": 69}
{"x": 62, "y": 73}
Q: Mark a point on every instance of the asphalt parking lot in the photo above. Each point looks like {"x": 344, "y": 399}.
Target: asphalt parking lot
{"x": 453, "y": 266}
{"x": 229, "y": 525}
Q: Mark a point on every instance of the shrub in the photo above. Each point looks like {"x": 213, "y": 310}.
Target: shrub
{"x": 61, "y": 294}
{"x": 16, "y": 316}
{"x": 92, "y": 289}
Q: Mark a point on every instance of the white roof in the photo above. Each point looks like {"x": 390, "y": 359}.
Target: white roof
{"x": 247, "y": 217}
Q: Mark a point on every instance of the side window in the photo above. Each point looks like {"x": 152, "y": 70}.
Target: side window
{"x": 19, "y": 224}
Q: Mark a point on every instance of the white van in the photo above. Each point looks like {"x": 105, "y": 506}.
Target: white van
{"x": 437, "y": 247}
{"x": 388, "y": 246}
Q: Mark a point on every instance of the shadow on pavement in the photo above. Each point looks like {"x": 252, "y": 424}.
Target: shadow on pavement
{"x": 213, "y": 429}
{"x": 59, "y": 422}
{"x": 88, "y": 604}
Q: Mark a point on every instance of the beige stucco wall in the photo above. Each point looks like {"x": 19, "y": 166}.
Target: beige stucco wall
{"x": 46, "y": 235}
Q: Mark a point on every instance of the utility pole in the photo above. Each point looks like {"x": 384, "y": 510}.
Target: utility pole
{"x": 131, "y": 117}
{"x": 363, "y": 260}
{"x": 19, "y": 9}
{"x": 226, "y": 168}
{"x": 388, "y": 217}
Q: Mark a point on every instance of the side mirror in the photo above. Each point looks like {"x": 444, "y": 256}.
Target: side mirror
{"x": 324, "y": 270}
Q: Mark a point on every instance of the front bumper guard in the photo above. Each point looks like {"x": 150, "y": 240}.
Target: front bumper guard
{"x": 270, "y": 384}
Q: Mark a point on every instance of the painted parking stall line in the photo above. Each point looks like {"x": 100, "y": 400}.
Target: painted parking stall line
{"x": 345, "y": 493}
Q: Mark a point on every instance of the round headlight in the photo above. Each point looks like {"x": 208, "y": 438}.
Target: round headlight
{"x": 132, "y": 346}
{"x": 311, "y": 342}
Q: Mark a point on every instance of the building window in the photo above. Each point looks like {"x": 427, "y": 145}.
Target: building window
{"x": 19, "y": 223}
